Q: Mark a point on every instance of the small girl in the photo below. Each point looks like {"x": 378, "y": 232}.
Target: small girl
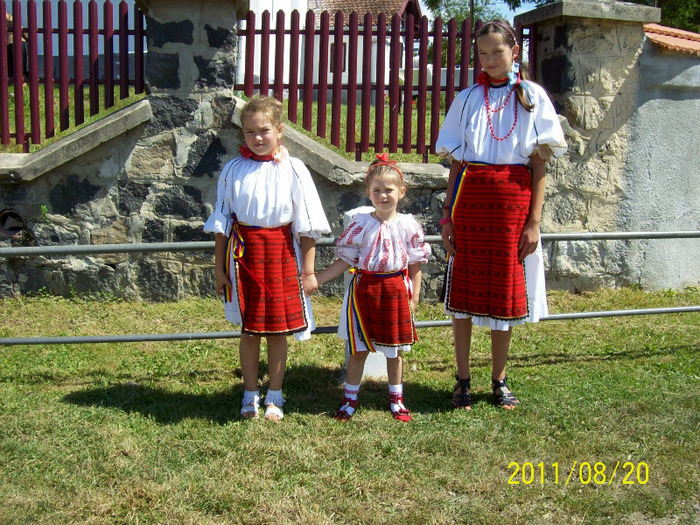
{"x": 386, "y": 249}
{"x": 498, "y": 134}
{"x": 267, "y": 217}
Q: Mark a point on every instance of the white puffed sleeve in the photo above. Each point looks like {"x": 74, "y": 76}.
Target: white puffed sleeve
{"x": 220, "y": 220}
{"x": 450, "y": 141}
{"x": 418, "y": 250}
{"x": 545, "y": 135}
{"x": 347, "y": 247}
{"x": 309, "y": 218}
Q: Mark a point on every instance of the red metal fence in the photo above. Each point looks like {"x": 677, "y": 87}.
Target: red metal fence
{"x": 101, "y": 47}
{"x": 409, "y": 99}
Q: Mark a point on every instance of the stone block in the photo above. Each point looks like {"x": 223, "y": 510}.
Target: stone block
{"x": 170, "y": 114}
{"x": 154, "y": 231}
{"x": 159, "y": 280}
{"x": 162, "y": 33}
{"x": 64, "y": 198}
{"x": 206, "y": 157}
{"x": 162, "y": 71}
{"x": 183, "y": 202}
{"x": 153, "y": 157}
{"x": 131, "y": 196}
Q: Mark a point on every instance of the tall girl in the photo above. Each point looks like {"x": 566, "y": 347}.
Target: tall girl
{"x": 386, "y": 249}
{"x": 267, "y": 217}
{"x": 498, "y": 135}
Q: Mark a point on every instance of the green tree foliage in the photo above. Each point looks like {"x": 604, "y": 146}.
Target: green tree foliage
{"x": 681, "y": 14}
{"x": 459, "y": 9}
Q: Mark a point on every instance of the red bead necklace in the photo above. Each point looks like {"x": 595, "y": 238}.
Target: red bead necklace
{"x": 490, "y": 111}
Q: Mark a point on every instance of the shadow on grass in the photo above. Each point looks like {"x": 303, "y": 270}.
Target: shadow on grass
{"x": 308, "y": 389}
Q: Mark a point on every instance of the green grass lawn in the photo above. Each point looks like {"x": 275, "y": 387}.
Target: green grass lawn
{"x": 150, "y": 432}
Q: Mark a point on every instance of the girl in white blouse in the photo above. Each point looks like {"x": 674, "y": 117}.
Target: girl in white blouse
{"x": 385, "y": 249}
{"x": 267, "y": 217}
{"x": 498, "y": 134}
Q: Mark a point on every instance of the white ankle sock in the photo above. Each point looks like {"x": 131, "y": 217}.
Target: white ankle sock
{"x": 396, "y": 393}
{"x": 250, "y": 397}
{"x": 351, "y": 391}
{"x": 274, "y": 397}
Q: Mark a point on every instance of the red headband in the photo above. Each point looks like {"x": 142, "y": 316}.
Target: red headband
{"x": 384, "y": 161}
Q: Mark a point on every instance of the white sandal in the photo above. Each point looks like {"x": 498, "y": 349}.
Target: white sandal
{"x": 250, "y": 406}
{"x": 273, "y": 405}
{"x": 273, "y": 413}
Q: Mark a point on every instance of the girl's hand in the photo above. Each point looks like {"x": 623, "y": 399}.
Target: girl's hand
{"x": 413, "y": 304}
{"x": 309, "y": 283}
{"x": 528, "y": 240}
{"x": 448, "y": 237}
{"x": 222, "y": 281}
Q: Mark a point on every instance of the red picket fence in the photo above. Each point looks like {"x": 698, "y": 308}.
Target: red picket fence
{"x": 308, "y": 67}
{"x": 109, "y": 68}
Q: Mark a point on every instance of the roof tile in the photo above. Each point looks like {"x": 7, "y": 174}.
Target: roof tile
{"x": 673, "y": 39}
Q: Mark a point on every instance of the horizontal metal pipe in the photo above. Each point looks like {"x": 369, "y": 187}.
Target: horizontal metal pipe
{"x": 137, "y": 338}
{"x": 96, "y": 249}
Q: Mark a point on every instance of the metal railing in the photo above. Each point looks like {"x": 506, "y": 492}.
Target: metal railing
{"x": 209, "y": 245}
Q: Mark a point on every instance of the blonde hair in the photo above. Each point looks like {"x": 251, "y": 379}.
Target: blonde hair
{"x": 271, "y": 107}
{"x": 503, "y": 28}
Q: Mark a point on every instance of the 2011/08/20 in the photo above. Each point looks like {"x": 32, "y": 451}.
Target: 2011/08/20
{"x": 633, "y": 474}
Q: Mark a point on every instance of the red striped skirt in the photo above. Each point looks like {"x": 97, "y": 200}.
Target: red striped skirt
{"x": 485, "y": 278}
{"x": 382, "y": 305}
{"x": 267, "y": 281}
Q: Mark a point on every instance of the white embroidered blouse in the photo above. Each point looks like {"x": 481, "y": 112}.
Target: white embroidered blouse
{"x": 369, "y": 244}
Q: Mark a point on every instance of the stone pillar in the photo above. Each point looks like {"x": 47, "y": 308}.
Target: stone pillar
{"x": 190, "y": 71}
{"x": 587, "y": 58}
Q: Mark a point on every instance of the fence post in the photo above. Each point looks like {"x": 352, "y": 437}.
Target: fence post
{"x": 380, "y": 84}
{"x": 366, "y": 81}
{"x": 394, "y": 91}
{"x": 265, "y": 54}
{"x": 323, "y": 75}
{"x": 49, "y": 123}
{"x": 338, "y": 57}
{"x": 279, "y": 56}
{"x": 408, "y": 85}
{"x": 309, "y": 47}
{"x": 435, "y": 91}
{"x": 4, "y": 81}
{"x": 18, "y": 73}
{"x": 93, "y": 68}
{"x": 63, "y": 78}
{"x": 294, "y": 59}
{"x": 350, "y": 139}
{"x": 78, "y": 72}
{"x": 35, "y": 121}
{"x": 422, "y": 83}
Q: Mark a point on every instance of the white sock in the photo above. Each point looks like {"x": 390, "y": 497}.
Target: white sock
{"x": 274, "y": 397}
{"x": 250, "y": 397}
{"x": 395, "y": 393}
{"x": 351, "y": 391}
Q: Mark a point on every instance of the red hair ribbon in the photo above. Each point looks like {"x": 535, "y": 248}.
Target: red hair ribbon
{"x": 384, "y": 160}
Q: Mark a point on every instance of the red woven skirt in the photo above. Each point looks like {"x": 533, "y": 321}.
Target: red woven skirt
{"x": 380, "y": 304}
{"x": 267, "y": 281}
{"x": 491, "y": 206}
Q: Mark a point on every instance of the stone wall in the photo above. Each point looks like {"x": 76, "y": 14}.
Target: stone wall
{"x": 149, "y": 173}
